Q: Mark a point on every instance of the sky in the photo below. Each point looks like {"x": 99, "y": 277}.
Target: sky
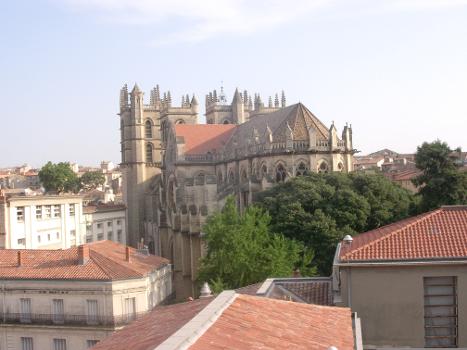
{"x": 394, "y": 69}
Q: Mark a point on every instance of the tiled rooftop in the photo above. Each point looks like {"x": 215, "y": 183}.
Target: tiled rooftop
{"x": 439, "y": 234}
{"x": 262, "y": 323}
{"x": 244, "y": 322}
{"x": 107, "y": 261}
{"x": 203, "y": 138}
{"x": 152, "y": 329}
{"x": 312, "y": 291}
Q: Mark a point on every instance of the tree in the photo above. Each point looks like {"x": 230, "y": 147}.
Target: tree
{"x": 91, "y": 180}
{"x": 320, "y": 209}
{"x": 58, "y": 178}
{"x": 241, "y": 250}
{"x": 441, "y": 181}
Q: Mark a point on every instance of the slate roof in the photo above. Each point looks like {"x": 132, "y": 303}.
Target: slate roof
{"x": 436, "y": 235}
{"x": 247, "y": 322}
{"x": 106, "y": 262}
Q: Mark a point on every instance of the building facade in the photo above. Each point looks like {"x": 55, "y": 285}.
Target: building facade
{"x": 73, "y": 298}
{"x": 177, "y": 172}
{"x": 105, "y": 222}
{"x": 408, "y": 281}
{"x": 41, "y": 222}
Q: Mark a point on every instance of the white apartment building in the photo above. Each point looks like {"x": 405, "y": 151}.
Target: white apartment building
{"x": 41, "y": 222}
{"x": 105, "y": 221}
{"x": 71, "y": 299}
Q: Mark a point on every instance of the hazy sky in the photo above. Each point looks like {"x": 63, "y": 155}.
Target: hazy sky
{"x": 396, "y": 70}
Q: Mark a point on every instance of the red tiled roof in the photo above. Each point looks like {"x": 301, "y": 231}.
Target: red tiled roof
{"x": 262, "y": 323}
{"x": 151, "y": 330}
{"x": 251, "y": 289}
{"x": 203, "y": 138}
{"x": 106, "y": 207}
{"x": 439, "y": 234}
{"x": 106, "y": 262}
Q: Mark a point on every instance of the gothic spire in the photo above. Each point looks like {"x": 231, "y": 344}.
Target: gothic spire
{"x": 283, "y": 101}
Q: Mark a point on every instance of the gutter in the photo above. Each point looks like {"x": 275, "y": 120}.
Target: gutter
{"x": 402, "y": 263}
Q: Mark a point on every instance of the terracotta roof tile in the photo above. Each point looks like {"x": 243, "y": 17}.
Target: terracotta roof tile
{"x": 439, "y": 234}
{"x": 151, "y": 330}
{"x": 106, "y": 262}
{"x": 203, "y": 138}
{"x": 262, "y": 323}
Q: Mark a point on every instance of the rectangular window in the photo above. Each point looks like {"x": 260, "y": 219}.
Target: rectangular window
{"x": 90, "y": 343}
{"x": 48, "y": 236}
{"x": 72, "y": 210}
{"x": 119, "y": 235}
{"x": 25, "y": 306}
{"x": 56, "y": 209}
{"x": 130, "y": 309}
{"x": 48, "y": 211}
{"x": 110, "y": 235}
{"x": 99, "y": 225}
{"x": 19, "y": 213}
{"x": 100, "y": 236}
{"x": 73, "y": 233}
{"x": 38, "y": 239}
{"x": 22, "y": 241}
{"x": 88, "y": 239}
{"x": 38, "y": 212}
{"x": 58, "y": 312}
{"x": 119, "y": 222}
{"x": 440, "y": 294}
{"x": 92, "y": 311}
{"x": 57, "y": 235}
{"x": 26, "y": 343}
{"x": 109, "y": 223}
{"x": 59, "y": 344}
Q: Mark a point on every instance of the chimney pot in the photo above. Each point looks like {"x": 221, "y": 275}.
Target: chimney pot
{"x": 127, "y": 254}
{"x": 20, "y": 257}
{"x": 83, "y": 254}
{"x": 205, "y": 291}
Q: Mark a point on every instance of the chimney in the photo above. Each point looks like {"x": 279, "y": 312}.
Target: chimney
{"x": 20, "y": 258}
{"x": 348, "y": 239}
{"x": 83, "y": 254}
{"x": 127, "y": 254}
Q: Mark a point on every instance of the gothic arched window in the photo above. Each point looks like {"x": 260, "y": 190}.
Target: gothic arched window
{"x": 148, "y": 129}
{"x": 244, "y": 176}
{"x": 219, "y": 177}
{"x": 149, "y": 152}
{"x": 264, "y": 170}
{"x": 281, "y": 174}
{"x": 302, "y": 169}
{"x": 323, "y": 167}
{"x": 340, "y": 166}
{"x": 231, "y": 177}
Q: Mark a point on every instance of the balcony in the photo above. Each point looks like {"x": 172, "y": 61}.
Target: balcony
{"x": 69, "y": 320}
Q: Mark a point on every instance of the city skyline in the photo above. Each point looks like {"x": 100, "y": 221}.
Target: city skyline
{"x": 395, "y": 70}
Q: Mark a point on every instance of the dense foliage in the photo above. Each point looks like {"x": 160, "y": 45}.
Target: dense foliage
{"x": 241, "y": 250}
{"x": 91, "y": 180}
{"x": 441, "y": 181}
{"x": 320, "y": 209}
{"x": 61, "y": 178}
{"x": 58, "y": 178}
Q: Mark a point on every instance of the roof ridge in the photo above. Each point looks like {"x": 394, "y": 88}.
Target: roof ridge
{"x": 417, "y": 219}
{"x": 319, "y": 125}
{"x": 107, "y": 271}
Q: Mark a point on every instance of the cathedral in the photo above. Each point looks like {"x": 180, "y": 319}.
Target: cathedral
{"x": 177, "y": 172}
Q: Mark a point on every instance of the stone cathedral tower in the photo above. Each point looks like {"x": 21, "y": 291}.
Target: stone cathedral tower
{"x": 142, "y": 148}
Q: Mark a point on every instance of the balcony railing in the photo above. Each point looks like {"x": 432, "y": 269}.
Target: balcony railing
{"x": 69, "y": 320}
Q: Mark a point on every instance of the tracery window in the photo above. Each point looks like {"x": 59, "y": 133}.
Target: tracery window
{"x": 231, "y": 177}
{"x": 264, "y": 170}
{"x": 323, "y": 167}
{"x": 148, "y": 129}
{"x": 281, "y": 173}
{"x": 302, "y": 169}
{"x": 244, "y": 176}
{"x": 149, "y": 152}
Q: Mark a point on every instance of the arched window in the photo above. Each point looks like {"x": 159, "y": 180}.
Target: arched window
{"x": 148, "y": 129}
{"x": 264, "y": 170}
{"x": 199, "y": 180}
{"x": 220, "y": 178}
{"x": 302, "y": 169}
{"x": 180, "y": 121}
{"x": 244, "y": 176}
{"x": 231, "y": 177}
{"x": 281, "y": 174}
{"x": 149, "y": 152}
{"x": 340, "y": 166}
{"x": 323, "y": 167}
{"x": 226, "y": 122}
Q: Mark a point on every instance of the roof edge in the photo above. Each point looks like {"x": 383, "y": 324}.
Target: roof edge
{"x": 198, "y": 325}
